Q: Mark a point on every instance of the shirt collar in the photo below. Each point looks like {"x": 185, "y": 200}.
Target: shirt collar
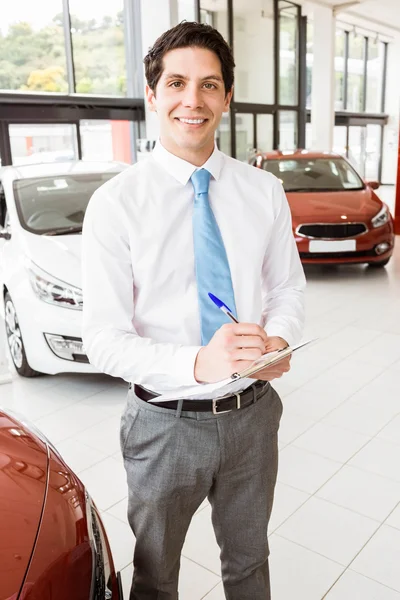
{"x": 181, "y": 169}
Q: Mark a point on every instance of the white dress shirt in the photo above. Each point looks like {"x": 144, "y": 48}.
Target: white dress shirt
{"x": 140, "y": 310}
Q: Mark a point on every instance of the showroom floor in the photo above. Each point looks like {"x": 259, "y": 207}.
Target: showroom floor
{"x": 335, "y": 529}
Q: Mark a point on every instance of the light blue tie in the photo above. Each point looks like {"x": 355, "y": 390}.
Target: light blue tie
{"x": 211, "y": 262}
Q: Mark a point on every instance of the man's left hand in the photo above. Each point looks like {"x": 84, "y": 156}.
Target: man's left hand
{"x": 278, "y": 369}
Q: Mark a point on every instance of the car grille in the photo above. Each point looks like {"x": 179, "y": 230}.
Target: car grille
{"x": 332, "y": 230}
{"x": 335, "y": 255}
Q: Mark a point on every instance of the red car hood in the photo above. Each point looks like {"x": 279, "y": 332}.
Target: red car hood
{"x": 327, "y": 207}
{"x": 23, "y": 477}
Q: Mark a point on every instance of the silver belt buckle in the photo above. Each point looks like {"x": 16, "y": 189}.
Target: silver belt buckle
{"x": 220, "y": 412}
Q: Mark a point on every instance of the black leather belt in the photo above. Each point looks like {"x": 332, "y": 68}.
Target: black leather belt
{"x": 218, "y": 405}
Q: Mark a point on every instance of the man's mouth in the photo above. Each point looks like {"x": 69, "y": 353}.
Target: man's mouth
{"x": 191, "y": 121}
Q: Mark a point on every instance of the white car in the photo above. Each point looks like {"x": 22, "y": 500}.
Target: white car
{"x": 41, "y": 214}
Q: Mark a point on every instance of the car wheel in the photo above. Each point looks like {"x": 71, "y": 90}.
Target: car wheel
{"x": 379, "y": 264}
{"x": 15, "y": 342}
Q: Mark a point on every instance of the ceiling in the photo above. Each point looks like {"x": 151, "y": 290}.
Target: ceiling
{"x": 385, "y": 13}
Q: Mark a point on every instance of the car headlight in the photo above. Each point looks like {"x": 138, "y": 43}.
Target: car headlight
{"x": 381, "y": 218}
{"x": 53, "y": 290}
{"x": 102, "y": 568}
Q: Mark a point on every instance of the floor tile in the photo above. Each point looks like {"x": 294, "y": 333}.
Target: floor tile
{"x": 384, "y": 350}
{"x": 122, "y": 541}
{"x": 200, "y": 544}
{"x": 103, "y": 436}
{"x": 106, "y": 482}
{"x": 315, "y": 404}
{"x": 366, "y": 493}
{"x": 380, "y": 457}
{"x": 353, "y": 586}
{"x": 286, "y": 501}
{"x": 79, "y": 456}
{"x": 394, "y": 519}
{"x": 391, "y": 433}
{"x": 195, "y": 581}
{"x": 334, "y": 532}
{"x": 69, "y": 421}
{"x": 120, "y": 510}
{"x": 304, "y": 470}
{"x": 126, "y": 580}
{"x": 293, "y": 425}
{"x": 331, "y": 442}
{"x": 216, "y": 594}
{"x": 299, "y": 574}
{"x": 380, "y": 558}
{"x": 367, "y": 420}
{"x": 349, "y": 375}
{"x": 381, "y": 395}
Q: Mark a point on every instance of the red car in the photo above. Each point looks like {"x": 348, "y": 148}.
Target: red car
{"x": 53, "y": 545}
{"x": 337, "y": 217}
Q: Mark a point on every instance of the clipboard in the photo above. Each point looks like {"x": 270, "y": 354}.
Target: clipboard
{"x": 266, "y": 360}
{"x": 203, "y": 390}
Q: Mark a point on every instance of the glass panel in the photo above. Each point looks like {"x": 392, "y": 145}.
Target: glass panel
{"x": 340, "y": 139}
{"x": 43, "y": 143}
{"x": 288, "y": 53}
{"x": 55, "y": 204}
{"x": 356, "y": 148}
{"x": 373, "y": 152}
{"x": 215, "y": 14}
{"x": 355, "y": 73}
{"x": 309, "y": 62}
{"x": 244, "y": 136}
{"x": 375, "y": 64}
{"x": 308, "y": 136}
{"x": 265, "y": 132}
{"x": 254, "y": 51}
{"x": 98, "y": 46}
{"x": 287, "y": 130}
{"x": 186, "y": 10}
{"x": 32, "y": 52}
{"x": 340, "y": 41}
{"x": 303, "y": 174}
{"x": 223, "y": 135}
{"x": 106, "y": 140}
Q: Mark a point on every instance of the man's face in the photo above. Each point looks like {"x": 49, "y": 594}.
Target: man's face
{"x": 189, "y": 100}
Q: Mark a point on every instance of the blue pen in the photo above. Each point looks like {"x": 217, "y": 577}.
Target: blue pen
{"x": 225, "y": 309}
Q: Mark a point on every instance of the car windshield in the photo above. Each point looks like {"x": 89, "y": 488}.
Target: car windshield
{"x": 55, "y": 205}
{"x": 314, "y": 174}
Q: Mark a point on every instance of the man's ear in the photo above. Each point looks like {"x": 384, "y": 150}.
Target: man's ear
{"x": 151, "y": 99}
{"x": 228, "y": 99}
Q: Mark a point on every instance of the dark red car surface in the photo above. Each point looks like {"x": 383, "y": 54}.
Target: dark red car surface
{"x": 52, "y": 542}
{"x": 331, "y": 224}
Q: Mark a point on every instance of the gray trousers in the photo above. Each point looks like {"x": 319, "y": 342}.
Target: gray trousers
{"x": 173, "y": 463}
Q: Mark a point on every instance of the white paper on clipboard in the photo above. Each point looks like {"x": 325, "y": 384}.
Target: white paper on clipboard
{"x": 203, "y": 391}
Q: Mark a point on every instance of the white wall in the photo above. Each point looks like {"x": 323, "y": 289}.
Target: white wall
{"x": 392, "y": 108}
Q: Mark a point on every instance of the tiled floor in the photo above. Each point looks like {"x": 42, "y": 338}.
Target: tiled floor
{"x": 335, "y": 528}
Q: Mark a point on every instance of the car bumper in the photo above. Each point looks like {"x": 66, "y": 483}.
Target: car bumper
{"x": 37, "y": 318}
{"x": 365, "y": 251}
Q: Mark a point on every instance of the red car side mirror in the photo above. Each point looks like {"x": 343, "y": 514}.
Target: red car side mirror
{"x": 374, "y": 185}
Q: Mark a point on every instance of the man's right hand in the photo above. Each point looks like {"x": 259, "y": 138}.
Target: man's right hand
{"x": 232, "y": 348}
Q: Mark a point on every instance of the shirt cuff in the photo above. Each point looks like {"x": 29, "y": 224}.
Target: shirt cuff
{"x": 279, "y": 331}
{"x": 182, "y": 369}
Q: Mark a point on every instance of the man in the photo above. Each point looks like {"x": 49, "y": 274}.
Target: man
{"x": 157, "y": 239}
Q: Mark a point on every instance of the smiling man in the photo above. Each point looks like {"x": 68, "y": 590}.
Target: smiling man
{"x": 157, "y": 239}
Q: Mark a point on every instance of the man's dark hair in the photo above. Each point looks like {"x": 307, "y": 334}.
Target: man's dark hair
{"x": 185, "y": 35}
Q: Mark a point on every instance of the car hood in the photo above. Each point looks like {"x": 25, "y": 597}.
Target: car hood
{"x": 59, "y": 256}
{"x": 23, "y": 481}
{"x": 328, "y": 207}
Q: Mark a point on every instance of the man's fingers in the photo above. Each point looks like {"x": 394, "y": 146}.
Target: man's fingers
{"x": 247, "y": 329}
{"x": 247, "y": 341}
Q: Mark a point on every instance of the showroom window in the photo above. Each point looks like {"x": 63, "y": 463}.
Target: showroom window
{"x": 98, "y": 47}
{"x": 288, "y": 53}
{"x": 32, "y": 49}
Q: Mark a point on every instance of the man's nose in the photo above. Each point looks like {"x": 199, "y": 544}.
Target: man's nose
{"x": 192, "y": 97}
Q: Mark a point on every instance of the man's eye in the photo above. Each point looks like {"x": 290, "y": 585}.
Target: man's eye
{"x": 176, "y": 84}
{"x": 209, "y": 86}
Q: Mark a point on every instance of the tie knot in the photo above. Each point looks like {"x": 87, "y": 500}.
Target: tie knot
{"x": 201, "y": 180}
